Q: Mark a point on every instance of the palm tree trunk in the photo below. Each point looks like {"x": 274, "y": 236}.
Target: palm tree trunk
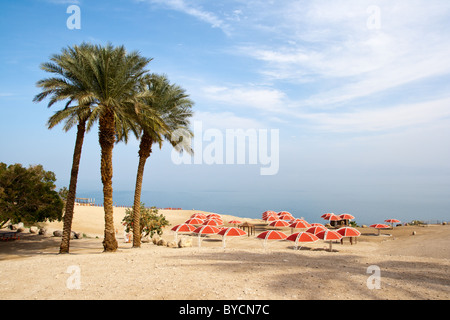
{"x": 106, "y": 140}
{"x": 145, "y": 149}
{"x": 70, "y": 201}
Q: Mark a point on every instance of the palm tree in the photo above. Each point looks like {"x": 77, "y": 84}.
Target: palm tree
{"x": 115, "y": 76}
{"x": 174, "y": 108}
{"x": 107, "y": 80}
{"x": 68, "y": 84}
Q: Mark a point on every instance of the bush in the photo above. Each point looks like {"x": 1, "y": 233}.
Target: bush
{"x": 28, "y": 195}
{"x": 151, "y": 222}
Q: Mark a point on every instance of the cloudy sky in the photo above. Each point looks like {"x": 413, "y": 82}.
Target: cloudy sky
{"x": 358, "y": 90}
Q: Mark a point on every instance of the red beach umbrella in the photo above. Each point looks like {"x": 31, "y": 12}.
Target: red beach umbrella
{"x": 392, "y": 221}
{"x": 317, "y": 225}
{"x": 326, "y": 216}
{"x": 346, "y": 216}
{"x": 267, "y": 213}
{"x": 194, "y": 221}
{"x": 302, "y": 237}
{"x": 212, "y": 222}
{"x": 271, "y": 218}
{"x": 299, "y": 224}
{"x": 334, "y": 217}
{"x": 286, "y": 217}
{"x": 282, "y": 213}
{"x": 348, "y": 232}
{"x": 235, "y": 222}
{"x": 182, "y": 228}
{"x": 206, "y": 230}
{"x": 199, "y": 216}
{"x": 213, "y": 215}
{"x": 279, "y": 223}
{"x": 316, "y": 229}
{"x": 231, "y": 232}
{"x": 379, "y": 226}
{"x": 329, "y": 235}
{"x": 271, "y": 235}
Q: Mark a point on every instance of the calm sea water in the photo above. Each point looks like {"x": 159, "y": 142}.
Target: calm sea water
{"x": 309, "y": 205}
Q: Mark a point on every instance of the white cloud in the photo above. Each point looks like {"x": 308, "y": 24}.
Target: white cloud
{"x": 266, "y": 99}
{"x": 381, "y": 119}
{"x": 195, "y": 11}
{"x": 330, "y": 41}
{"x": 226, "y": 120}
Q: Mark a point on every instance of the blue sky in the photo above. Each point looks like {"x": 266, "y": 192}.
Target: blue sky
{"x": 359, "y": 91}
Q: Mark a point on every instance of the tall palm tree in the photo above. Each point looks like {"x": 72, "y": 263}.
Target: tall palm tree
{"x": 107, "y": 80}
{"x": 114, "y": 81}
{"x": 174, "y": 107}
{"x": 67, "y": 84}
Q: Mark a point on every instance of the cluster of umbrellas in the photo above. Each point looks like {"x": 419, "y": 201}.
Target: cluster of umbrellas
{"x": 202, "y": 224}
{"x": 313, "y": 233}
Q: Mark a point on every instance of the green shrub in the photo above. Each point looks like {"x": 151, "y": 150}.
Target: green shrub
{"x": 151, "y": 222}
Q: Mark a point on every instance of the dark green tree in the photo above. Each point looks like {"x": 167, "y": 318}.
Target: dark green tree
{"x": 28, "y": 195}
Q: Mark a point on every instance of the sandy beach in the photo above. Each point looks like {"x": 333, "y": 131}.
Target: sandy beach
{"x": 411, "y": 266}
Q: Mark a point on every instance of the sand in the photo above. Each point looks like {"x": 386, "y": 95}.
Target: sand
{"x": 411, "y": 267}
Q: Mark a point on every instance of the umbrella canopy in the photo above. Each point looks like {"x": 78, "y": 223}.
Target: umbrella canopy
{"x": 329, "y": 235}
{"x": 194, "y": 221}
{"x": 212, "y": 222}
{"x": 234, "y": 222}
{"x": 281, "y": 213}
{"x": 268, "y": 213}
{"x": 182, "y": 228}
{"x": 199, "y": 216}
{"x": 205, "y": 230}
{"x": 334, "y": 217}
{"x": 379, "y": 226}
{"x": 392, "y": 221}
{"x": 317, "y": 225}
{"x": 271, "y": 235}
{"x": 326, "y": 216}
{"x": 299, "y": 224}
{"x": 271, "y": 218}
{"x": 302, "y": 237}
{"x": 348, "y": 232}
{"x": 231, "y": 232}
{"x": 316, "y": 229}
{"x": 279, "y": 223}
{"x": 346, "y": 216}
{"x": 213, "y": 215}
{"x": 286, "y": 217}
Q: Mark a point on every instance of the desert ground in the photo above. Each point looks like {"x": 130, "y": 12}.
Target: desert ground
{"x": 410, "y": 267}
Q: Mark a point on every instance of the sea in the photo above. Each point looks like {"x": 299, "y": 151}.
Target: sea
{"x": 308, "y": 205}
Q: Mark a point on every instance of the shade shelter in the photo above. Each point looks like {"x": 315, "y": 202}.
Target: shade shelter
{"x": 250, "y": 228}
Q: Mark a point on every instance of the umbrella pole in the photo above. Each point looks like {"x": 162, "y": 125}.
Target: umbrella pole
{"x": 199, "y": 240}
{"x": 331, "y": 244}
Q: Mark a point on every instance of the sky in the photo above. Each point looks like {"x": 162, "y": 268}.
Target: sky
{"x": 351, "y": 99}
